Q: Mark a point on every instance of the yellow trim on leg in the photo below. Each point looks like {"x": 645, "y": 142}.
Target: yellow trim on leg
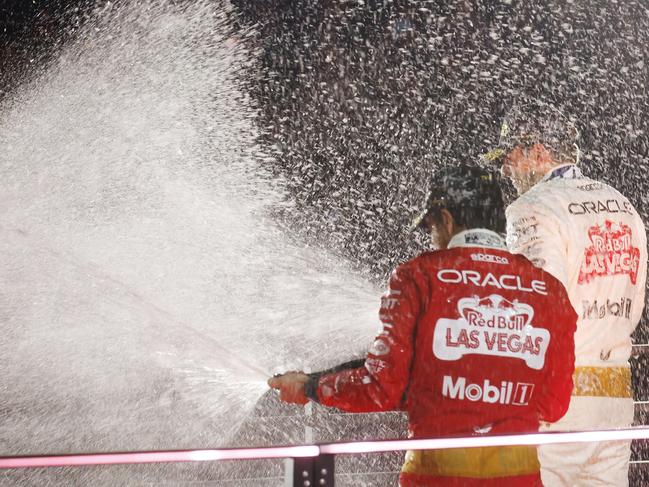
{"x": 602, "y": 382}
{"x": 482, "y": 463}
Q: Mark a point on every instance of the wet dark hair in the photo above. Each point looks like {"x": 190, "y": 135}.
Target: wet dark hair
{"x": 535, "y": 121}
{"x": 472, "y": 195}
{"x": 530, "y": 122}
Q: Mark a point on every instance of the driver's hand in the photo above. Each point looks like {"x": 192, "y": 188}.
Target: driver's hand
{"x": 291, "y": 387}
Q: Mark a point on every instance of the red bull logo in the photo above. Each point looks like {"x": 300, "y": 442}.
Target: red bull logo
{"x": 491, "y": 326}
{"x": 611, "y": 253}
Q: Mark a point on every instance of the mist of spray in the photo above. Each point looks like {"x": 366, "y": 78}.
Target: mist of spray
{"x": 145, "y": 294}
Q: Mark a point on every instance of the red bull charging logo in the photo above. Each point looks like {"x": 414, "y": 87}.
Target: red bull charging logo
{"x": 611, "y": 253}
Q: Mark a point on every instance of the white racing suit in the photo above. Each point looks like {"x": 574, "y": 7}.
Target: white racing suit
{"x": 591, "y": 238}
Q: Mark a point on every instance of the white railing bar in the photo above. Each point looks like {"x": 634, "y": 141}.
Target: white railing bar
{"x": 323, "y": 449}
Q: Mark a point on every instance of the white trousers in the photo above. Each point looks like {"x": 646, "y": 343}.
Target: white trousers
{"x": 589, "y": 464}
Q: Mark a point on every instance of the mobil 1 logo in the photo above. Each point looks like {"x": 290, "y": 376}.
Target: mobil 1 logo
{"x": 506, "y": 392}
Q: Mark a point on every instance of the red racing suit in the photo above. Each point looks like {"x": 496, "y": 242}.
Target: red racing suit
{"x": 474, "y": 340}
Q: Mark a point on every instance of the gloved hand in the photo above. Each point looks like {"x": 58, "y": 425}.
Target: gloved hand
{"x": 290, "y": 386}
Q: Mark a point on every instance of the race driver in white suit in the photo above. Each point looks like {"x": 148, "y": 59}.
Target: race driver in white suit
{"x": 592, "y": 239}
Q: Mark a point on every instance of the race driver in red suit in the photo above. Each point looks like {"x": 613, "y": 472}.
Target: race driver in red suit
{"x": 474, "y": 341}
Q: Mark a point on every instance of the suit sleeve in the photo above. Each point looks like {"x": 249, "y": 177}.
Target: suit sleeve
{"x": 642, "y": 273}
{"x": 536, "y": 232}
{"x": 556, "y": 388}
{"x": 379, "y": 385}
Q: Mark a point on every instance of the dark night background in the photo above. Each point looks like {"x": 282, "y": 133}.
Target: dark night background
{"x": 361, "y": 100}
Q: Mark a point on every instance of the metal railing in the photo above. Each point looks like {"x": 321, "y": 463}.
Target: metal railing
{"x": 311, "y": 465}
